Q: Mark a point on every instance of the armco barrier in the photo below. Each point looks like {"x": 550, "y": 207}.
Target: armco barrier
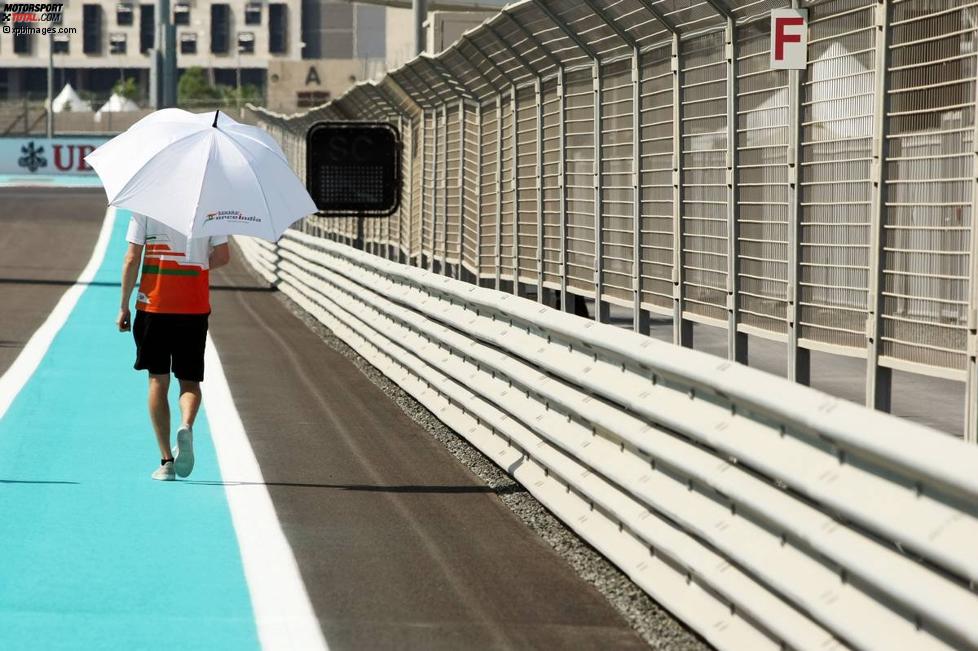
{"x": 762, "y": 513}
{"x": 644, "y": 154}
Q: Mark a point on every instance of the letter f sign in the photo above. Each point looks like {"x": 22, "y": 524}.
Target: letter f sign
{"x": 789, "y": 38}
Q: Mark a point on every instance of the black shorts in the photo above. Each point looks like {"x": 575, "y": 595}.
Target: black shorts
{"x": 165, "y": 341}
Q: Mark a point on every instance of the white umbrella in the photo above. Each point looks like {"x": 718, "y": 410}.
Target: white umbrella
{"x": 202, "y": 174}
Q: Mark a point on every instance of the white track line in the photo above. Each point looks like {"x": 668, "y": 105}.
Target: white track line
{"x": 283, "y": 613}
{"x": 37, "y": 346}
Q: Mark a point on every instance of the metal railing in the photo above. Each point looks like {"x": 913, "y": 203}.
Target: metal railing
{"x": 28, "y": 118}
{"x": 642, "y": 153}
{"x": 765, "y": 514}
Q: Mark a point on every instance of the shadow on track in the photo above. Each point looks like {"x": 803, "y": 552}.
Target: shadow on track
{"x": 38, "y": 481}
{"x": 502, "y": 490}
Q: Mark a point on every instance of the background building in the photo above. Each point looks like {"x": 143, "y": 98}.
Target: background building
{"x": 114, "y": 38}
{"x": 232, "y": 40}
{"x": 298, "y": 54}
{"x": 335, "y": 29}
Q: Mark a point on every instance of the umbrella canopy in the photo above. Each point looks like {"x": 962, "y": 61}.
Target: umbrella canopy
{"x": 116, "y": 104}
{"x": 68, "y": 100}
{"x": 202, "y": 174}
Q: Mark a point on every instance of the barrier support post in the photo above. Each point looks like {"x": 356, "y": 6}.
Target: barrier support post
{"x": 799, "y": 359}
{"x": 879, "y": 379}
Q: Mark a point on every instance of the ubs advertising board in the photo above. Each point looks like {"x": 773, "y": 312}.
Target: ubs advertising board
{"x": 54, "y": 156}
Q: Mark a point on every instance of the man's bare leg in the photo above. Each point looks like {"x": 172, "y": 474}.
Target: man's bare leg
{"x": 189, "y": 401}
{"x": 159, "y": 412}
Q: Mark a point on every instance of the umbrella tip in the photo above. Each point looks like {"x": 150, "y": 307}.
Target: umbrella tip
{"x": 215, "y": 117}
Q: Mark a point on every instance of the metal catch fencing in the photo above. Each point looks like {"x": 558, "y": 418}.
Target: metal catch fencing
{"x": 764, "y": 514}
{"x": 642, "y": 153}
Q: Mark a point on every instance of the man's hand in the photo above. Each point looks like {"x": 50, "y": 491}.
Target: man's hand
{"x": 123, "y": 321}
{"x": 130, "y": 268}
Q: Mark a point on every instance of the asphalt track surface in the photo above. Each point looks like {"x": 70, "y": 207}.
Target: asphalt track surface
{"x": 46, "y": 237}
{"x": 95, "y": 555}
{"x": 399, "y": 546}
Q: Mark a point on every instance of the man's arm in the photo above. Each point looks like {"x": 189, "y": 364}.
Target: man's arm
{"x": 220, "y": 256}
{"x": 130, "y": 269}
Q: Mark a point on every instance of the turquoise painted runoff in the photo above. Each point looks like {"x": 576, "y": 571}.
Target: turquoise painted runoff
{"x": 93, "y": 553}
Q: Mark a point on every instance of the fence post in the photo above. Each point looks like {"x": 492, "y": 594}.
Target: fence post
{"x": 444, "y": 189}
{"x": 640, "y": 318}
{"x": 538, "y": 91}
{"x": 736, "y": 341}
{"x": 428, "y": 181}
{"x": 601, "y": 308}
{"x": 878, "y": 378}
{"x": 566, "y": 304}
{"x": 436, "y": 168}
{"x": 499, "y": 190}
{"x": 460, "y": 176}
{"x": 971, "y": 379}
{"x": 421, "y": 156}
{"x": 799, "y": 364}
{"x": 407, "y": 228}
{"x": 682, "y": 330}
{"x": 514, "y": 140}
{"x": 478, "y": 194}
{"x": 394, "y": 238}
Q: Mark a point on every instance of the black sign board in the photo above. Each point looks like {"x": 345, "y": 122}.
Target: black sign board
{"x": 354, "y": 168}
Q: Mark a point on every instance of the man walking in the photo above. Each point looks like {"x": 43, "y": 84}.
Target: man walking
{"x": 170, "y": 329}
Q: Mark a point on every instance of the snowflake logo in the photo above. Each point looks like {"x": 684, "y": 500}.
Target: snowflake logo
{"x": 33, "y": 157}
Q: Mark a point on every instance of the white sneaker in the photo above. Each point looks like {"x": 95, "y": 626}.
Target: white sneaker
{"x": 164, "y": 472}
{"x": 184, "y": 452}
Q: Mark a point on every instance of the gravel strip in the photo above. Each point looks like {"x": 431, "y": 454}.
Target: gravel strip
{"x": 652, "y": 622}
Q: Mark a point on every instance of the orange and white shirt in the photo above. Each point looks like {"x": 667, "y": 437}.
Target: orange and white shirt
{"x": 175, "y": 277}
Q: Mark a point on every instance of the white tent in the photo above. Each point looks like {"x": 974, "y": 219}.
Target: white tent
{"x": 836, "y": 113}
{"x": 68, "y": 100}
{"x": 117, "y": 103}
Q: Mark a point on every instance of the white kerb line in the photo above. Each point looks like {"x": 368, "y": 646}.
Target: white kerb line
{"x": 283, "y": 613}
{"x": 37, "y": 346}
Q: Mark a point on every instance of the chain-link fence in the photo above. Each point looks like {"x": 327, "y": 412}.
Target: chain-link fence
{"x": 27, "y": 116}
{"x": 643, "y": 153}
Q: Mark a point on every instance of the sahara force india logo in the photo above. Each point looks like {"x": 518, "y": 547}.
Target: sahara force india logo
{"x": 229, "y": 216}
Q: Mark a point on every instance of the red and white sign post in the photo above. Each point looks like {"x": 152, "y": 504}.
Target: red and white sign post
{"x": 789, "y": 39}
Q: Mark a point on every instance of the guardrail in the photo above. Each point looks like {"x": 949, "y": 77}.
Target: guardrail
{"x": 643, "y": 154}
{"x": 763, "y": 513}
{"x": 25, "y": 119}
